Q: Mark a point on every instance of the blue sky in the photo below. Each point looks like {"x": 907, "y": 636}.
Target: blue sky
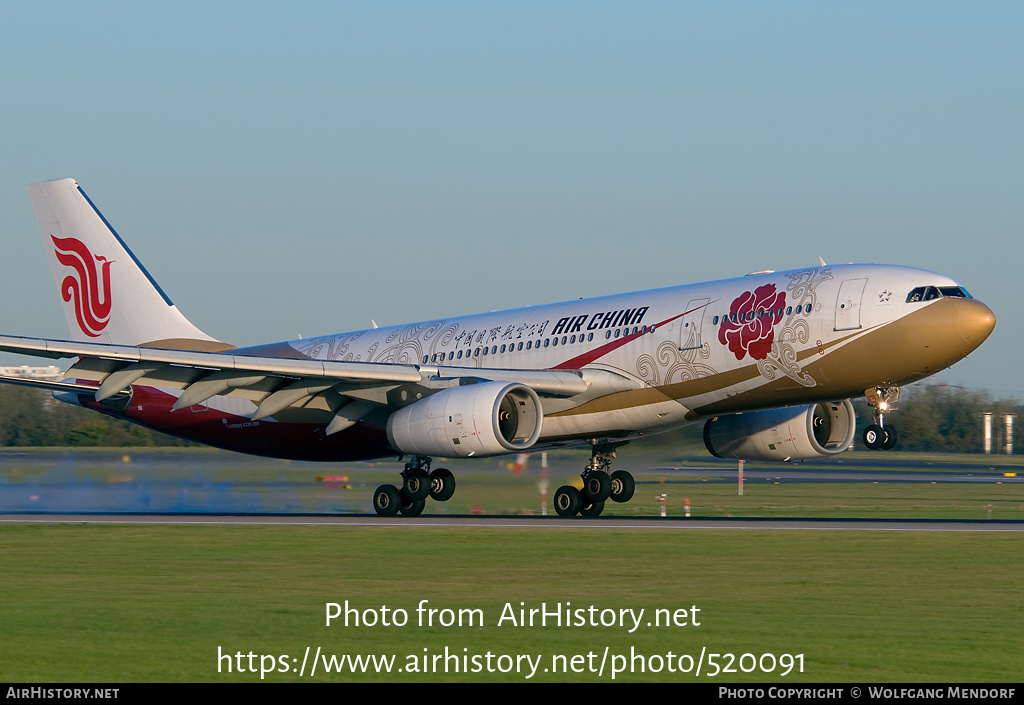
{"x": 290, "y": 169}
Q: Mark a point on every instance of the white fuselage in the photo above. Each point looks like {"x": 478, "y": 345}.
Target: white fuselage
{"x": 672, "y": 352}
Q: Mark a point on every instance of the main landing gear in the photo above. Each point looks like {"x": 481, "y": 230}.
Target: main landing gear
{"x": 598, "y": 485}
{"x": 418, "y": 483}
{"x": 878, "y": 436}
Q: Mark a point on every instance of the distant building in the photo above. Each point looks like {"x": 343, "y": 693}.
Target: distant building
{"x": 49, "y": 373}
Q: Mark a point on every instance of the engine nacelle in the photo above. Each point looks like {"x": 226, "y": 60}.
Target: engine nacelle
{"x": 489, "y": 418}
{"x": 791, "y": 433}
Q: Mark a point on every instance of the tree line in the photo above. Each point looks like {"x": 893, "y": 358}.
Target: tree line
{"x": 929, "y": 417}
{"x": 32, "y": 417}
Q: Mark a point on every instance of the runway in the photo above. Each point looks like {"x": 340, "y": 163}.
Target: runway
{"x": 963, "y": 474}
{"x": 161, "y": 486}
{"x": 504, "y": 522}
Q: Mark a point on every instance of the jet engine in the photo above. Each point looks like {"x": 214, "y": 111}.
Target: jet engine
{"x": 791, "y": 433}
{"x": 488, "y": 418}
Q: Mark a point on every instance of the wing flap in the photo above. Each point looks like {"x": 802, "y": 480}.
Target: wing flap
{"x": 213, "y": 385}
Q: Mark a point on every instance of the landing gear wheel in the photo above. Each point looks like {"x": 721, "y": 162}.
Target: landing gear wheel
{"x": 598, "y": 486}
{"x": 416, "y": 484}
{"x": 623, "y": 486}
{"x": 879, "y": 436}
{"x": 567, "y": 501}
{"x": 442, "y": 484}
{"x": 889, "y": 442}
{"x": 413, "y": 508}
{"x": 593, "y": 509}
{"x": 387, "y": 500}
{"x": 873, "y": 436}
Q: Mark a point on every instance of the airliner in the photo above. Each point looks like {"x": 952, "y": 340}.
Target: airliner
{"x": 767, "y": 362}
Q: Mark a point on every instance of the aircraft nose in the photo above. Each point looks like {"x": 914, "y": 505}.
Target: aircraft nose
{"x": 975, "y": 321}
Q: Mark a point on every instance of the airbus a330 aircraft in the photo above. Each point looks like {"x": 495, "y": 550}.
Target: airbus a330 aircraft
{"x": 768, "y": 362}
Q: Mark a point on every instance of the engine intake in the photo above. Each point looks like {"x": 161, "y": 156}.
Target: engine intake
{"x": 791, "y": 433}
{"x": 489, "y": 418}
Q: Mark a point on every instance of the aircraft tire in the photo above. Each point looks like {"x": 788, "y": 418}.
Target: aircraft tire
{"x": 873, "y": 436}
{"x": 623, "y": 486}
{"x": 442, "y": 484}
{"x": 387, "y": 500}
{"x": 591, "y": 510}
{"x": 416, "y": 484}
{"x": 889, "y": 441}
{"x": 597, "y": 486}
{"x": 567, "y": 501}
{"x": 413, "y": 508}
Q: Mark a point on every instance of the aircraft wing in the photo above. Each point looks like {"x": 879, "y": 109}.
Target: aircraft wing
{"x": 273, "y": 384}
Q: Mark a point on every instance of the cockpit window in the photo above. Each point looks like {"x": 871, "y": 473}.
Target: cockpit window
{"x": 928, "y": 293}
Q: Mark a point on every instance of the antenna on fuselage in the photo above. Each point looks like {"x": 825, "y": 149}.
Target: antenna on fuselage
{"x": 822, "y": 262}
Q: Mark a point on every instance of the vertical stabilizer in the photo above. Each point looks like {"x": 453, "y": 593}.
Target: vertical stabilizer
{"x": 108, "y": 296}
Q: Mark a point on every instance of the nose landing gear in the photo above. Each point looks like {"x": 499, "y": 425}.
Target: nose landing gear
{"x": 878, "y": 436}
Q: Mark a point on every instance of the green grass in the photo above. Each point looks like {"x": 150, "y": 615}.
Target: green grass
{"x": 130, "y": 603}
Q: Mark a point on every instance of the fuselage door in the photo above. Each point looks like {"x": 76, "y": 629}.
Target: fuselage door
{"x": 851, "y": 292}
{"x": 692, "y": 323}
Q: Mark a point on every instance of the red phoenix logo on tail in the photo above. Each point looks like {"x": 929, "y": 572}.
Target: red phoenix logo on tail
{"x": 92, "y": 307}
